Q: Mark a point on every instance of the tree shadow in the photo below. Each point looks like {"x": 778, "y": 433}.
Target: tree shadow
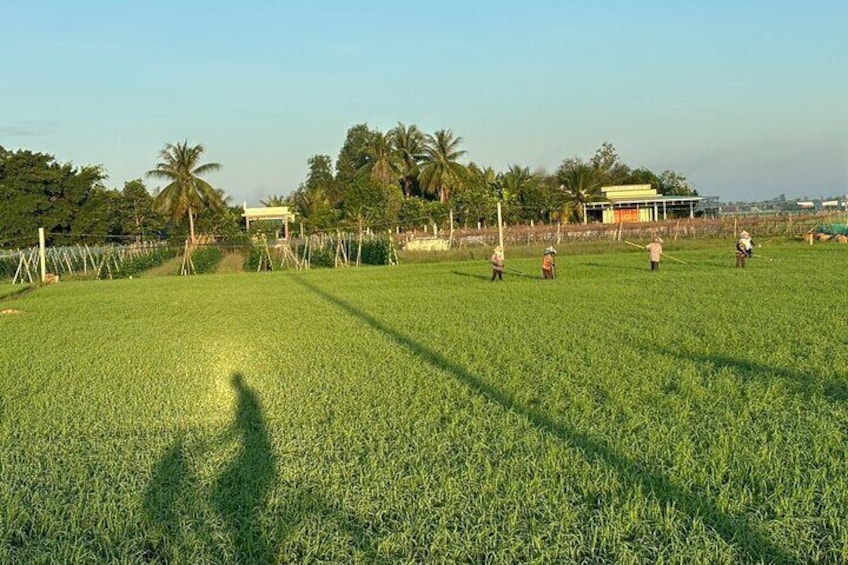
{"x": 806, "y": 384}
{"x": 736, "y": 530}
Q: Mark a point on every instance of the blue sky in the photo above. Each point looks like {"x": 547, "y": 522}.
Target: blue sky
{"x": 747, "y": 99}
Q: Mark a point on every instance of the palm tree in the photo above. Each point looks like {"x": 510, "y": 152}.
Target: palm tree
{"x": 408, "y": 144}
{"x": 381, "y": 162}
{"x": 187, "y": 194}
{"x": 441, "y": 172}
{"x": 274, "y": 200}
{"x": 515, "y": 182}
{"x": 580, "y": 184}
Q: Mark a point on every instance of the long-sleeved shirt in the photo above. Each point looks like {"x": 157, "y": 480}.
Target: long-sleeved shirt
{"x": 655, "y": 249}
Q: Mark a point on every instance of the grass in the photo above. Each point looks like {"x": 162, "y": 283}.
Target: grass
{"x": 232, "y": 262}
{"x": 8, "y": 291}
{"x": 422, "y": 413}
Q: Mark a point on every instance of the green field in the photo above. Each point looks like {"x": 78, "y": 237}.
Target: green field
{"x": 420, "y": 413}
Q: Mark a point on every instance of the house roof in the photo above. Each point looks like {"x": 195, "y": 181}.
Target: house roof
{"x": 659, "y": 200}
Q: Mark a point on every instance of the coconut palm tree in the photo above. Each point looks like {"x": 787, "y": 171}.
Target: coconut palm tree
{"x": 274, "y": 200}
{"x": 381, "y": 162}
{"x": 187, "y": 194}
{"x": 515, "y": 182}
{"x": 408, "y": 144}
{"x": 580, "y": 184}
{"x": 441, "y": 173}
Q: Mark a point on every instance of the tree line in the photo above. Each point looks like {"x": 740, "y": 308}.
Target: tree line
{"x": 401, "y": 177}
{"x": 74, "y": 206}
{"x": 404, "y": 176}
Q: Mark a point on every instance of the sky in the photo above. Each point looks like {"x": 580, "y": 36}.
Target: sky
{"x": 745, "y": 98}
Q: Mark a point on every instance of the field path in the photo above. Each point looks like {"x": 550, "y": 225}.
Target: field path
{"x": 231, "y": 263}
{"x": 169, "y": 267}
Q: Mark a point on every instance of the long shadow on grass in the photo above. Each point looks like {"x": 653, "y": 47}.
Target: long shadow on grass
{"x": 615, "y": 267}
{"x": 241, "y": 492}
{"x": 736, "y": 530}
{"x": 240, "y": 496}
{"x": 162, "y": 503}
{"x": 471, "y": 275}
{"x": 806, "y": 384}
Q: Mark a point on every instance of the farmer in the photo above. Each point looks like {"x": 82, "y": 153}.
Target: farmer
{"x": 746, "y": 240}
{"x": 548, "y": 264}
{"x": 655, "y": 250}
{"x": 498, "y": 263}
{"x": 741, "y": 253}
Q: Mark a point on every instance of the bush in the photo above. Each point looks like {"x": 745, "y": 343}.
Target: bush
{"x": 322, "y": 257}
{"x": 140, "y": 263}
{"x": 205, "y": 259}
{"x": 254, "y": 258}
{"x": 376, "y": 252}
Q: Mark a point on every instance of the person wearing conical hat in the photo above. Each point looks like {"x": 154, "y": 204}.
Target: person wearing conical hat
{"x": 497, "y": 263}
{"x": 548, "y": 264}
{"x": 655, "y": 251}
{"x": 746, "y": 240}
{"x": 741, "y": 253}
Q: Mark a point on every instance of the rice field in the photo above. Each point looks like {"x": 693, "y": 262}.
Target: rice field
{"x": 422, "y": 413}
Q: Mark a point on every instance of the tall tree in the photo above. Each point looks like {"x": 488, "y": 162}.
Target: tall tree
{"x": 580, "y": 184}
{"x": 36, "y": 191}
{"x": 138, "y": 212}
{"x": 187, "y": 194}
{"x": 441, "y": 174}
{"x": 381, "y": 161}
{"x": 609, "y": 169}
{"x": 643, "y": 176}
{"x": 316, "y": 200}
{"x": 353, "y": 155}
{"x": 477, "y": 203}
{"x": 274, "y": 200}
{"x": 408, "y": 144}
{"x": 675, "y": 184}
{"x": 516, "y": 182}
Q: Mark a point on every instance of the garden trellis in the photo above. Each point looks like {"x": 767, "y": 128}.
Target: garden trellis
{"x": 98, "y": 261}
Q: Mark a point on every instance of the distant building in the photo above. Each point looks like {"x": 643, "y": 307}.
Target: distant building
{"x": 269, "y": 213}
{"x": 634, "y": 203}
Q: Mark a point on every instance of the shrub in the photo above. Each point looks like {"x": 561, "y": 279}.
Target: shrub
{"x": 205, "y": 259}
{"x": 135, "y": 265}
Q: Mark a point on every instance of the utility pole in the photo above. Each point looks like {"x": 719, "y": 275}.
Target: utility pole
{"x": 450, "y": 236}
{"x": 500, "y": 226}
{"x": 41, "y": 255}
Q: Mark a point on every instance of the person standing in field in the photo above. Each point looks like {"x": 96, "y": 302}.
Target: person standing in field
{"x": 655, "y": 250}
{"x": 548, "y": 264}
{"x": 746, "y": 240}
{"x": 741, "y": 253}
{"x": 498, "y": 263}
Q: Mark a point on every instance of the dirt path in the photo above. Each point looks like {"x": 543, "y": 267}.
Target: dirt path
{"x": 169, "y": 267}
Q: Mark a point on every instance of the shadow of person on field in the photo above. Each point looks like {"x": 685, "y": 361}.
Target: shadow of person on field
{"x": 241, "y": 491}
{"x": 161, "y": 503}
{"x": 615, "y": 267}
{"x": 175, "y": 504}
{"x": 470, "y": 275}
{"x": 736, "y": 530}
{"x": 306, "y": 509}
{"x": 806, "y": 384}
{"x": 170, "y": 505}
